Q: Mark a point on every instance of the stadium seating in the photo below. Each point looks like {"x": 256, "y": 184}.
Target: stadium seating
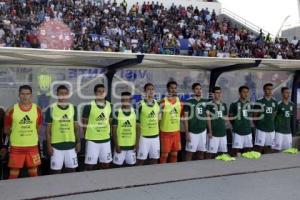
{"x": 146, "y": 29}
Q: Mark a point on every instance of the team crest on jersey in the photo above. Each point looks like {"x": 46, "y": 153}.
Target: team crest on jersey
{"x": 222, "y": 107}
{"x": 248, "y": 107}
{"x": 291, "y": 108}
{"x": 273, "y": 104}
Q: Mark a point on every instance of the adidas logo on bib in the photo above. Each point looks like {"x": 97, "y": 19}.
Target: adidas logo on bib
{"x": 152, "y": 114}
{"x": 64, "y": 118}
{"x": 101, "y": 117}
{"x": 25, "y": 120}
{"x": 126, "y": 124}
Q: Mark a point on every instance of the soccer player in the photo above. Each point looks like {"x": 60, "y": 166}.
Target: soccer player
{"x": 240, "y": 118}
{"x": 264, "y": 116}
{"x": 283, "y": 119}
{"x": 22, "y": 124}
{"x": 148, "y": 115}
{"x": 217, "y": 142}
{"x": 196, "y": 124}
{"x": 125, "y": 133}
{"x": 97, "y": 117}
{"x": 172, "y": 110}
{"x": 63, "y": 142}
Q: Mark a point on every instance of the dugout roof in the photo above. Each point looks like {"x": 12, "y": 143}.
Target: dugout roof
{"x": 70, "y": 58}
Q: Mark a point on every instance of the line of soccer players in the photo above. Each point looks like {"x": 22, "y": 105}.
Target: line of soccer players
{"x": 151, "y": 130}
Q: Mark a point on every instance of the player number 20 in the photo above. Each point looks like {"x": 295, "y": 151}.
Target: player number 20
{"x": 269, "y": 110}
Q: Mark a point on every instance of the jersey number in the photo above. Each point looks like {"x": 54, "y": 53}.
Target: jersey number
{"x": 287, "y": 114}
{"x": 269, "y": 110}
{"x": 75, "y": 161}
{"x": 199, "y": 111}
{"x": 245, "y": 113}
{"x": 220, "y": 113}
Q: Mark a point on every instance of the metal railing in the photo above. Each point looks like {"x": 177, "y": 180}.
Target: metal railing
{"x": 244, "y": 22}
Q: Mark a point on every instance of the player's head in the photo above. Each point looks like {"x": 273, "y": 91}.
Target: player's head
{"x": 217, "y": 91}
{"x": 197, "y": 90}
{"x": 126, "y": 99}
{"x": 149, "y": 90}
{"x": 268, "y": 89}
{"x": 172, "y": 88}
{"x": 244, "y": 92}
{"x": 25, "y": 94}
{"x": 62, "y": 93}
{"x": 285, "y": 92}
{"x": 99, "y": 91}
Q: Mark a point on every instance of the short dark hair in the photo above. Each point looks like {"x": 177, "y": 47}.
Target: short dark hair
{"x": 98, "y": 86}
{"x": 283, "y": 89}
{"x": 243, "y": 87}
{"x": 25, "y": 87}
{"x": 268, "y": 85}
{"x": 216, "y": 88}
{"x": 125, "y": 94}
{"x": 62, "y": 87}
{"x": 171, "y": 83}
{"x": 195, "y": 85}
{"x": 147, "y": 85}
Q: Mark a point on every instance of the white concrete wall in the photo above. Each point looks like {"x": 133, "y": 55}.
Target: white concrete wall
{"x": 290, "y": 33}
{"x": 167, "y": 3}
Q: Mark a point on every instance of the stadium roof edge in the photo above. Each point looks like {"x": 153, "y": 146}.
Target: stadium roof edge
{"x": 36, "y": 57}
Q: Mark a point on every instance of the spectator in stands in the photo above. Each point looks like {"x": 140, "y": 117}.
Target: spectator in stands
{"x": 147, "y": 28}
{"x": 294, "y": 41}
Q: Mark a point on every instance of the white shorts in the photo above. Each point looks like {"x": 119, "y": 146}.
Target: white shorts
{"x": 283, "y": 141}
{"x": 242, "y": 141}
{"x": 97, "y": 151}
{"x": 61, "y": 157}
{"x": 264, "y": 138}
{"x": 217, "y": 144}
{"x": 129, "y": 156}
{"x": 197, "y": 143}
{"x": 148, "y": 146}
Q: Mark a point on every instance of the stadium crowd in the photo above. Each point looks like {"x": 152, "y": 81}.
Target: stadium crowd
{"x": 146, "y": 28}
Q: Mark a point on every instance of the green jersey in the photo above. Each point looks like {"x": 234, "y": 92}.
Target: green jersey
{"x": 196, "y": 115}
{"x": 218, "y": 112}
{"x": 240, "y": 112}
{"x": 284, "y": 117}
{"x": 267, "y": 115}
